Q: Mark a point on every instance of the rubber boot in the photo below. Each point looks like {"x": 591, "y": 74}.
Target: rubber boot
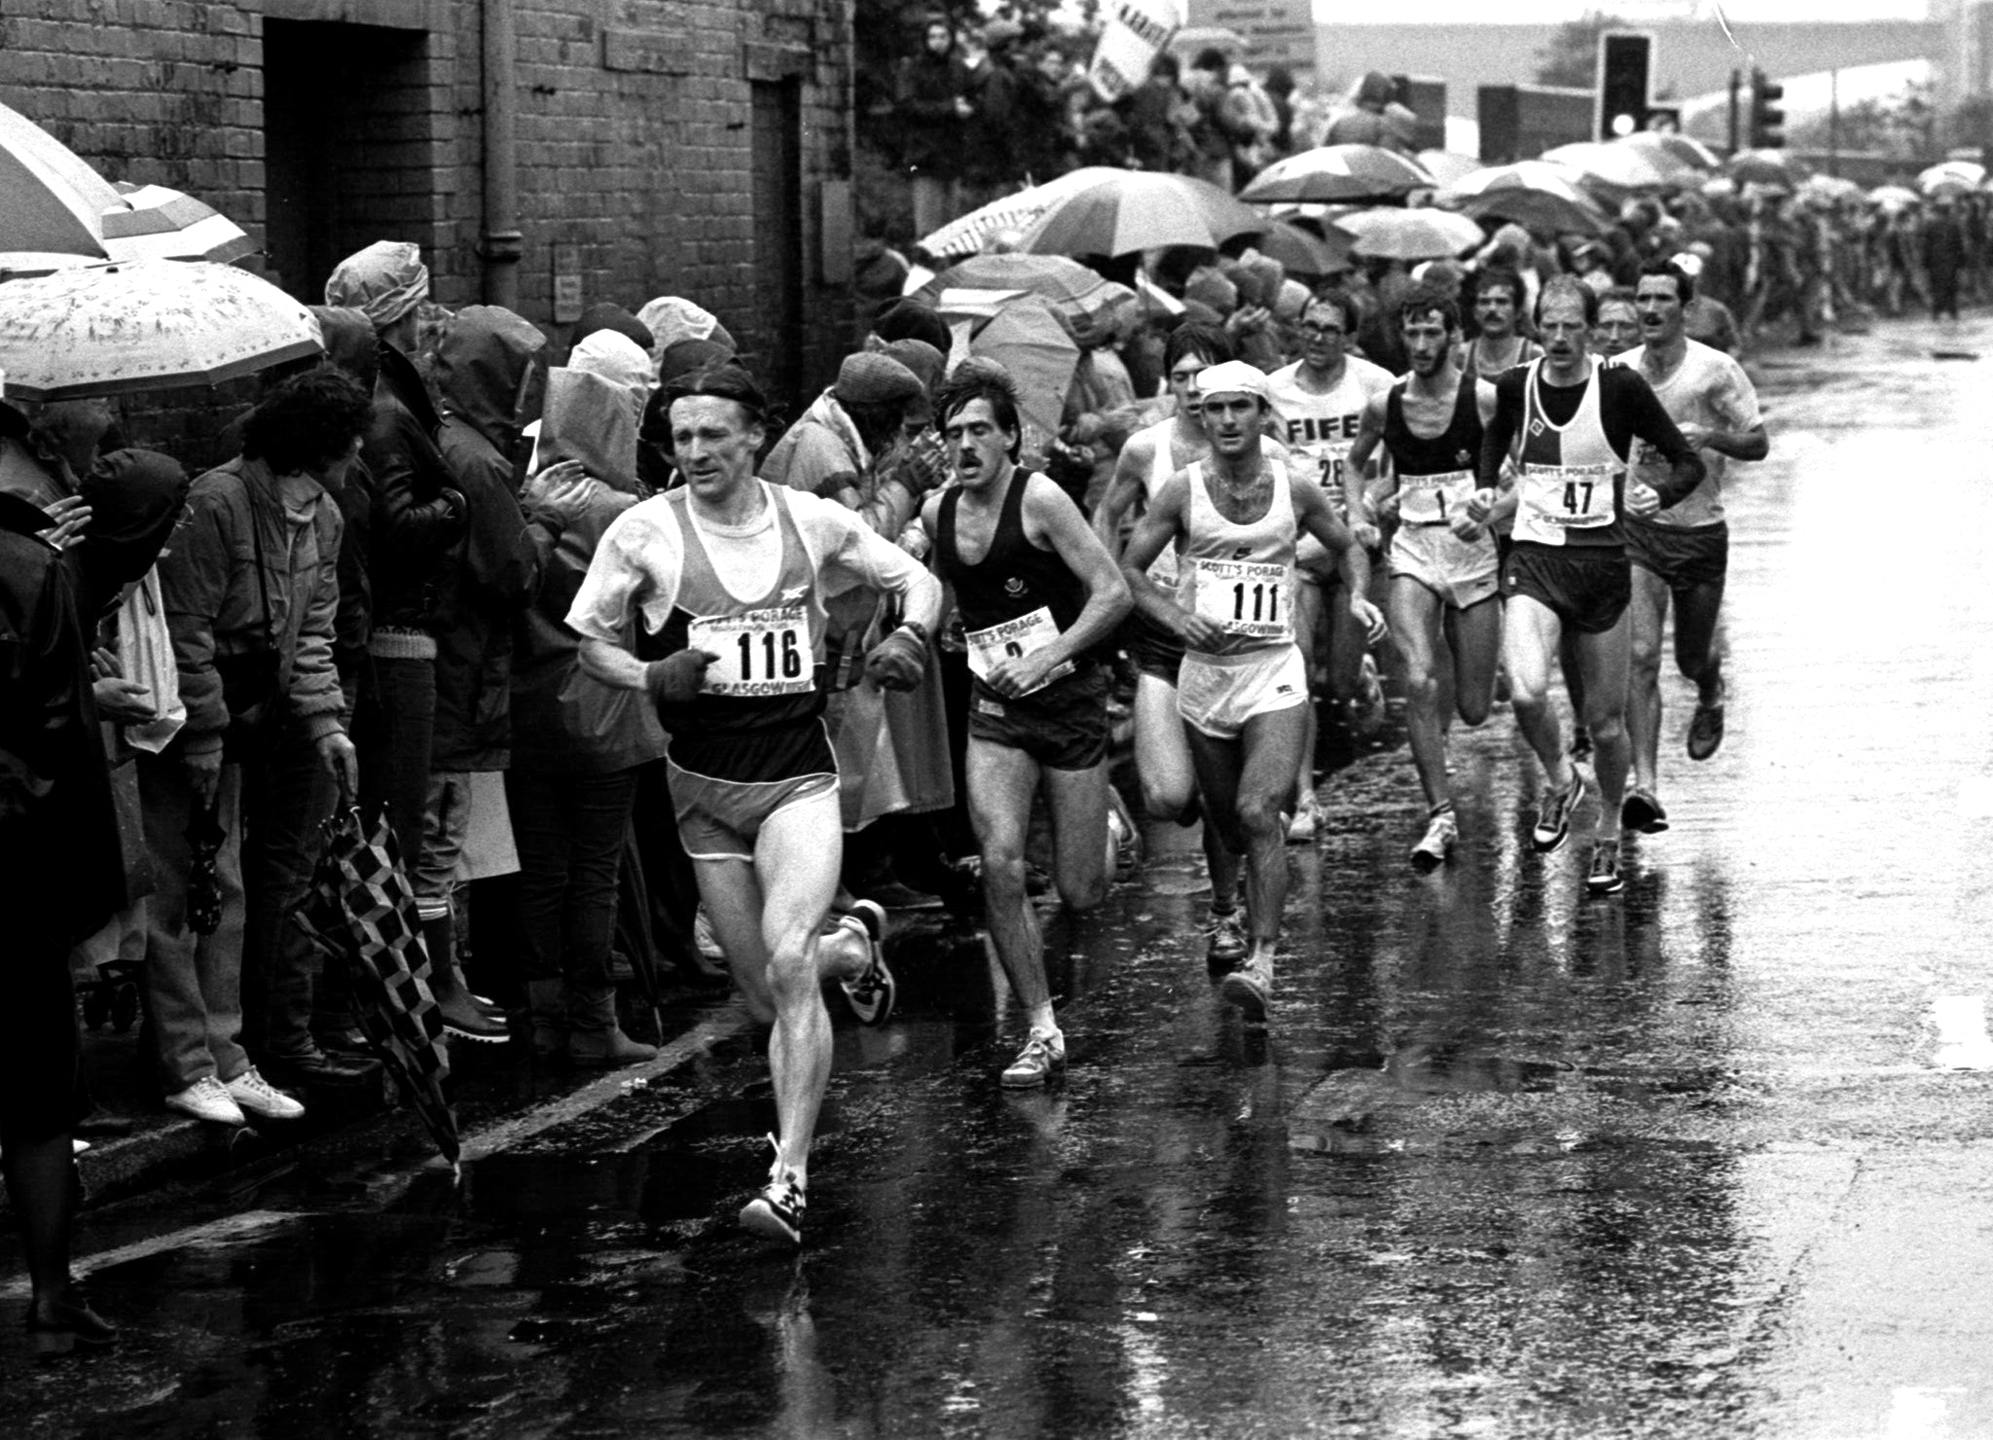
{"x": 461, "y": 1016}
{"x": 593, "y": 1037}
{"x": 546, "y": 1010}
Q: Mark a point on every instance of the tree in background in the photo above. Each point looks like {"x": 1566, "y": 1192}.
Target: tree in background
{"x": 1571, "y": 55}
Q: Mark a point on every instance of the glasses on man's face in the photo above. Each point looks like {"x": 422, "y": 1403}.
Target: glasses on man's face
{"x": 1320, "y": 332}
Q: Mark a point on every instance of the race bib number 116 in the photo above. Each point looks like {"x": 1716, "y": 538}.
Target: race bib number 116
{"x": 763, "y": 652}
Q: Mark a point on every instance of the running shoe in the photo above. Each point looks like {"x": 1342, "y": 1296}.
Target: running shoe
{"x": 1437, "y": 843}
{"x": 1307, "y": 821}
{"x": 1642, "y": 812}
{"x": 1227, "y": 943}
{"x": 1250, "y": 987}
{"x": 1553, "y": 814}
{"x": 872, "y": 991}
{"x": 1041, "y": 1058}
{"x": 1603, "y": 877}
{"x": 1366, "y": 711}
{"x": 1706, "y": 731}
{"x": 777, "y": 1212}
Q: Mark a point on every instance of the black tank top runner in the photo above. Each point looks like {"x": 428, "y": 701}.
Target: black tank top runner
{"x": 1458, "y": 447}
{"x": 1015, "y": 577}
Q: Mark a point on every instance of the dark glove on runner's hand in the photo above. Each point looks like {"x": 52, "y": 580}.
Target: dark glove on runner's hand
{"x": 897, "y": 662}
{"x": 675, "y": 679}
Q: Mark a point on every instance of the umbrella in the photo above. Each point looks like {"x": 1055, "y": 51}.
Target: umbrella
{"x": 1302, "y": 252}
{"x": 151, "y": 222}
{"x": 1028, "y": 341}
{"x": 1894, "y": 197}
{"x": 966, "y": 236}
{"x": 54, "y": 199}
{"x": 1424, "y": 234}
{"x": 149, "y": 325}
{"x": 1446, "y": 166}
{"x": 1954, "y": 174}
{"x": 1831, "y": 188}
{"x": 1066, "y": 285}
{"x": 1133, "y": 210}
{"x": 1539, "y": 194}
{"x": 361, "y": 912}
{"x": 1340, "y": 173}
{"x": 1679, "y": 149}
{"x": 1626, "y": 166}
{"x": 1773, "y": 169}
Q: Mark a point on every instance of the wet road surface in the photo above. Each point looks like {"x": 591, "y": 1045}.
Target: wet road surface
{"x": 1711, "y": 1158}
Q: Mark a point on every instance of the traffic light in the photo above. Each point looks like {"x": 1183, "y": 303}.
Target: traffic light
{"x": 1623, "y": 63}
{"x": 1767, "y": 119}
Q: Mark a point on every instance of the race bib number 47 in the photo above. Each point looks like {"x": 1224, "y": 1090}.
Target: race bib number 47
{"x": 1026, "y": 635}
{"x": 1568, "y": 497}
{"x": 1244, "y": 597}
{"x": 763, "y": 652}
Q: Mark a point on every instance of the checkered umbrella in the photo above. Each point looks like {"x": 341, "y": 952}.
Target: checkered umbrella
{"x": 362, "y": 910}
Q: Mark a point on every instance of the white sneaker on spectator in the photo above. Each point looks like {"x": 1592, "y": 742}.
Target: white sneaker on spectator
{"x": 207, "y": 1099}
{"x": 257, "y": 1096}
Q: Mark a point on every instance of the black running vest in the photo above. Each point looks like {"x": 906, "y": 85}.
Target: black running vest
{"x": 1458, "y": 447}
{"x": 1015, "y": 577}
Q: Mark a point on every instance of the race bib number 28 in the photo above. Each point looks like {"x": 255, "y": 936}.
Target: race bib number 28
{"x": 763, "y": 652}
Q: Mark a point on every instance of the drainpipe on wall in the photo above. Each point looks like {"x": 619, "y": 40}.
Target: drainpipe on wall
{"x": 500, "y": 244}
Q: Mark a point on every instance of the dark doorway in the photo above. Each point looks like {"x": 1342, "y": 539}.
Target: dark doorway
{"x": 778, "y": 235}
{"x": 348, "y": 152}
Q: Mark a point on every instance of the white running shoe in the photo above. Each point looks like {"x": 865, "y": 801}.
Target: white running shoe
{"x": 1307, "y": 821}
{"x": 256, "y": 1096}
{"x": 1433, "y": 848}
{"x": 207, "y": 1099}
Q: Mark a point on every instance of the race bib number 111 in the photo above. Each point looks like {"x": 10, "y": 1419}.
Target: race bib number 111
{"x": 1244, "y": 597}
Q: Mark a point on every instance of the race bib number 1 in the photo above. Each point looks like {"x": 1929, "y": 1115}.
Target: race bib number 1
{"x": 1026, "y": 635}
{"x": 763, "y": 652}
{"x": 1246, "y": 598}
{"x": 1434, "y": 499}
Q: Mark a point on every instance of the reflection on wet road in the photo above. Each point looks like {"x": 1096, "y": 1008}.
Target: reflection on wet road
{"x": 1711, "y": 1158}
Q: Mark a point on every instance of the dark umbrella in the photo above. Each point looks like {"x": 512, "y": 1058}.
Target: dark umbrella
{"x": 362, "y": 911}
{"x": 1301, "y": 252}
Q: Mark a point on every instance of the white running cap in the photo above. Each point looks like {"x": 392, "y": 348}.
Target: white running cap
{"x": 1233, "y": 377}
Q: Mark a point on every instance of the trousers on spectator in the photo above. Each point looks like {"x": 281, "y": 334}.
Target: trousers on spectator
{"x": 393, "y": 727}
{"x": 287, "y": 794}
{"x": 193, "y": 983}
{"x": 569, "y": 830}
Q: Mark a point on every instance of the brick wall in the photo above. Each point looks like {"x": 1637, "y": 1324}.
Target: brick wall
{"x": 634, "y": 138}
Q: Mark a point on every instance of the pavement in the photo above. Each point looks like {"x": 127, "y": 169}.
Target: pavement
{"x": 1714, "y": 1157}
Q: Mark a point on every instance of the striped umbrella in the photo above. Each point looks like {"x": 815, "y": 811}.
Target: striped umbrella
{"x": 151, "y": 222}
{"x": 149, "y": 325}
{"x": 53, "y": 199}
{"x": 1134, "y": 210}
{"x": 959, "y": 239}
{"x": 1425, "y": 234}
{"x": 1066, "y": 285}
{"x": 1630, "y": 167}
{"x": 1538, "y": 194}
{"x": 1678, "y": 148}
{"x": 1340, "y": 174}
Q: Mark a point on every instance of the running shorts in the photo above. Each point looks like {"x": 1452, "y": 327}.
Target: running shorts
{"x": 1154, "y": 650}
{"x": 1219, "y": 693}
{"x": 1062, "y": 727}
{"x": 1588, "y": 590}
{"x": 1460, "y": 572}
{"x": 719, "y": 819}
{"x": 1681, "y": 558}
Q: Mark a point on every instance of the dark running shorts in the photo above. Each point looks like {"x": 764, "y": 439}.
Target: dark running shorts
{"x": 1154, "y": 650}
{"x": 1062, "y": 727}
{"x": 1587, "y": 587}
{"x": 1681, "y": 559}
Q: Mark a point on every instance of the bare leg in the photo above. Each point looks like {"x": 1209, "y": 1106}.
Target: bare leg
{"x": 1698, "y": 609}
{"x": 1415, "y": 621}
{"x": 1169, "y": 779}
{"x": 1475, "y": 637}
{"x": 1604, "y": 658}
{"x": 1244, "y": 782}
{"x": 1529, "y": 640}
{"x": 1002, "y": 782}
{"x": 1648, "y": 615}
